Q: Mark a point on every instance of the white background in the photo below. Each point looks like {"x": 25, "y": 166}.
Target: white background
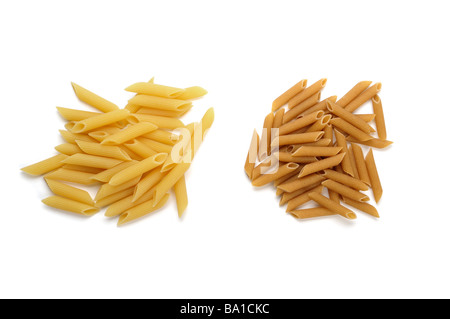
{"x": 234, "y": 241}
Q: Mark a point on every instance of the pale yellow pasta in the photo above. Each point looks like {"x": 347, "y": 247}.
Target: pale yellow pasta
{"x": 161, "y": 103}
{"x": 140, "y": 148}
{"x": 138, "y": 169}
{"x": 353, "y": 93}
{"x": 108, "y": 200}
{"x": 350, "y": 129}
{"x": 129, "y": 133}
{"x": 344, "y": 190}
{"x": 162, "y": 136}
{"x": 289, "y": 94}
{"x": 106, "y": 175}
{"x": 300, "y": 123}
{"x": 157, "y": 146}
{"x": 155, "y": 90}
{"x": 97, "y": 121}
{"x": 360, "y": 164}
{"x": 103, "y": 150}
{"x": 149, "y": 180}
{"x": 341, "y": 142}
{"x": 364, "y": 207}
{"x": 321, "y": 165}
{"x": 252, "y": 155}
{"x": 181, "y": 195}
{"x": 93, "y": 99}
{"x": 86, "y": 169}
{"x": 311, "y": 212}
{"x": 107, "y": 189}
{"x": 68, "y": 149}
{"x": 125, "y": 203}
{"x": 302, "y": 107}
{"x": 169, "y": 180}
{"x": 75, "y": 115}
{"x": 292, "y": 186}
{"x": 345, "y": 179}
{"x": 133, "y": 108}
{"x": 332, "y": 205}
{"x": 70, "y": 137}
{"x": 317, "y": 151}
{"x": 161, "y": 121}
{"x": 158, "y": 112}
{"x": 363, "y": 97}
{"x": 69, "y": 192}
{"x": 192, "y": 92}
{"x": 349, "y": 117}
{"x": 379, "y": 118}
{"x": 377, "y": 189}
{"x": 69, "y": 125}
{"x": 105, "y": 131}
{"x": 141, "y": 210}
{"x": 46, "y": 165}
{"x": 70, "y": 205}
{"x": 92, "y": 161}
{"x": 306, "y": 93}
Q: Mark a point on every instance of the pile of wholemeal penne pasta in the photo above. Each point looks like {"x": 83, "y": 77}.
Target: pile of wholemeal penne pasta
{"x": 136, "y": 155}
{"x": 309, "y": 144}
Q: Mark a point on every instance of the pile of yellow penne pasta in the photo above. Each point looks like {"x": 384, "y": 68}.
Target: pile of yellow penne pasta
{"x": 136, "y": 154}
{"x": 313, "y": 143}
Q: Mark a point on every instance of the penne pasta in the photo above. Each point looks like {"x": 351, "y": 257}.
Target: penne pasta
{"x": 353, "y": 93}
{"x": 70, "y": 137}
{"x": 107, "y": 189}
{"x": 103, "y": 150}
{"x": 341, "y": 142}
{"x": 157, "y": 112}
{"x": 106, "y": 175}
{"x": 86, "y": 169}
{"x": 266, "y": 137}
{"x": 129, "y": 133}
{"x": 360, "y": 164}
{"x": 278, "y": 119}
{"x": 345, "y": 180}
{"x": 300, "y": 122}
{"x": 364, "y": 207}
{"x": 332, "y": 205}
{"x": 192, "y": 92}
{"x": 351, "y": 156}
{"x": 75, "y": 115}
{"x": 155, "y": 90}
{"x": 161, "y": 103}
{"x": 70, "y": 205}
{"x": 302, "y": 107}
{"x": 140, "y": 148}
{"x": 252, "y": 155}
{"x": 290, "y": 139}
{"x": 149, "y": 180}
{"x": 156, "y": 146}
{"x": 375, "y": 142}
{"x": 366, "y": 117}
{"x": 113, "y": 198}
{"x": 161, "y": 121}
{"x": 141, "y": 210}
{"x": 350, "y": 129}
{"x": 162, "y": 136}
{"x": 93, "y": 99}
{"x": 46, "y": 165}
{"x": 280, "y": 172}
{"x": 287, "y": 196}
{"x": 377, "y": 189}
{"x": 125, "y": 203}
{"x": 97, "y": 121}
{"x": 345, "y": 191}
{"x": 349, "y": 117}
{"x": 180, "y": 195}
{"x": 68, "y": 149}
{"x": 289, "y": 94}
{"x": 320, "y": 124}
{"x": 292, "y": 186}
{"x": 321, "y": 165}
{"x": 321, "y": 106}
{"x": 302, "y": 199}
{"x": 317, "y": 151}
{"x": 287, "y": 157}
{"x": 363, "y": 97}
{"x": 379, "y": 118}
{"x": 312, "y": 212}
{"x": 169, "y": 181}
{"x": 307, "y": 92}
{"x": 92, "y": 161}
{"x": 69, "y": 192}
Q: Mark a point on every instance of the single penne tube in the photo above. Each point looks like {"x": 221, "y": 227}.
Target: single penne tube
{"x": 149, "y": 180}
{"x": 346, "y": 191}
{"x": 169, "y": 180}
{"x": 300, "y": 123}
{"x": 155, "y": 90}
{"x": 97, "y": 121}
{"x": 321, "y": 165}
{"x": 70, "y": 205}
{"x": 69, "y": 192}
{"x": 106, "y": 175}
{"x": 379, "y": 117}
{"x": 375, "y": 142}
{"x": 317, "y": 151}
{"x": 138, "y": 169}
{"x": 364, "y": 207}
{"x": 292, "y": 186}
{"x": 75, "y": 115}
{"x": 140, "y": 148}
{"x": 302, "y": 199}
{"x": 377, "y": 189}
{"x": 156, "y": 146}
{"x": 93, "y": 99}
{"x": 366, "y": 117}
{"x": 181, "y": 195}
{"x": 108, "y": 200}
{"x": 321, "y": 106}
{"x": 86, "y": 169}
{"x": 302, "y": 107}
{"x": 68, "y": 149}
{"x": 163, "y": 136}
{"x": 350, "y": 129}
{"x": 278, "y": 119}
{"x": 289, "y": 139}
{"x": 322, "y": 142}
{"x": 207, "y": 121}
{"x": 72, "y": 176}
{"x": 351, "y": 156}
{"x": 70, "y": 137}
{"x": 103, "y": 150}
{"x": 341, "y": 142}
{"x": 353, "y": 93}
{"x": 360, "y": 164}
{"x": 283, "y": 179}
{"x": 107, "y": 189}
{"x": 288, "y": 157}
{"x": 46, "y": 165}
{"x": 193, "y": 92}
{"x": 332, "y": 205}
{"x": 283, "y": 170}
{"x": 345, "y": 180}
{"x": 286, "y": 196}
{"x": 161, "y": 103}
{"x": 320, "y": 124}
{"x": 289, "y": 94}
{"x": 118, "y": 207}
{"x": 306, "y": 93}
{"x": 363, "y": 97}
{"x": 349, "y": 117}
{"x": 160, "y": 121}
{"x": 92, "y": 161}
{"x": 266, "y": 137}
{"x": 158, "y": 112}
{"x": 252, "y": 155}
{"x": 141, "y": 210}
{"x": 312, "y": 212}
{"x": 129, "y": 133}
{"x": 103, "y": 133}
